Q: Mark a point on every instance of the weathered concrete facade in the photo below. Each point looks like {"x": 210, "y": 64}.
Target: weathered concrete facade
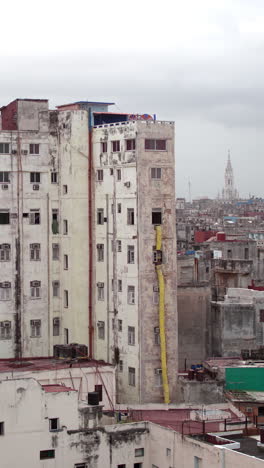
{"x": 135, "y": 182}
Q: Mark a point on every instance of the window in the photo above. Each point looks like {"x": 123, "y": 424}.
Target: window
{"x": 120, "y": 365}
{"x": 55, "y": 221}
{"x": 4, "y": 177}
{"x": 101, "y": 330}
{"x": 55, "y": 251}
{"x": 5, "y": 291}
{"x": 2, "y": 428}
{"x": 130, "y": 145}
{"x": 54, "y": 424}
{"x": 4, "y": 148}
{"x": 65, "y": 189}
{"x": 66, "y": 335}
{"x": 168, "y": 452}
{"x": 34, "y": 217}
{"x": 156, "y": 173}
{"x": 65, "y": 262}
{"x": 80, "y": 465}
{"x": 100, "y": 216}
{"x": 131, "y": 294}
{"x": 100, "y": 175}
{"x": 137, "y": 465}
{"x": 56, "y": 288}
{"x": 54, "y": 177}
{"x": 5, "y": 330}
{"x": 130, "y": 216}
{"x": 197, "y": 462}
{"x": 65, "y": 227}
{"x": 120, "y": 325}
{"x": 56, "y": 326}
{"x": 119, "y": 245}
{"x": 246, "y": 253}
{"x": 99, "y": 390}
{"x": 66, "y": 298}
{"x": 4, "y": 217}
{"x": 100, "y": 252}
{"x": 100, "y": 291}
{"x": 156, "y": 216}
{"x": 121, "y": 466}
{"x": 104, "y": 146}
{"x": 115, "y": 146}
{"x": 34, "y": 177}
{"x": 155, "y": 296}
{"x": 155, "y": 145}
{"x": 229, "y": 253}
{"x": 119, "y": 285}
{"x": 46, "y": 454}
{"x": 130, "y": 254}
{"x": 34, "y": 148}
{"x": 34, "y": 252}
{"x": 111, "y": 171}
{"x": 35, "y": 289}
{"x": 154, "y": 466}
{"x": 132, "y": 376}
{"x": 158, "y": 377}
{"x": 156, "y": 335}
{"x": 131, "y": 336}
{"x": 119, "y": 207}
{"x": 118, "y": 174}
{"x": 139, "y": 452}
{"x": 35, "y": 328}
{"x": 261, "y": 315}
{"x": 5, "y": 250}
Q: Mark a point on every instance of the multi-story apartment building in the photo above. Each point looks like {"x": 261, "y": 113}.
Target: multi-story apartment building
{"x": 87, "y": 214}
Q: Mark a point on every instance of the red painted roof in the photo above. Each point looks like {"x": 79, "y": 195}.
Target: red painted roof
{"x": 40, "y": 364}
{"x": 57, "y": 388}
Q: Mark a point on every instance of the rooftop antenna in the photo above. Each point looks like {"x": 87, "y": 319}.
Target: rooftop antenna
{"x": 189, "y": 186}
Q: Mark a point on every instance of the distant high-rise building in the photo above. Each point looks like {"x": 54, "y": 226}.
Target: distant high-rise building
{"x": 229, "y": 191}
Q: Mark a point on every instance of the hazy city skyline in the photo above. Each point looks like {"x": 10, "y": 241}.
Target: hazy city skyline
{"x": 199, "y": 64}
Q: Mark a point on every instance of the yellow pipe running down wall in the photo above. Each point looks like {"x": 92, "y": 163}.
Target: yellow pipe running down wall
{"x": 163, "y": 350}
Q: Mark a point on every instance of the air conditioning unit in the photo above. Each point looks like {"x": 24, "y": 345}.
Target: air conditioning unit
{"x": 6, "y": 324}
{"x": 155, "y": 289}
{"x": 35, "y": 284}
{"x": 6, "y": 284}
{"x": 56, "y": 321}
{"x": 4, "y": 187}
{"x": 34, "y": 246}
{"x": 100, "y": 324}
{"x": 100, "y": 285}
{"x": 158, "y": 371}
{"x": 24, "y": 152}
{"x": 156, "y": 330}
{"x": 127, "y": 184}
{"x": 35, "y": 187}
{"x": 14, "y": 151}
{"x": 5, "y": 246}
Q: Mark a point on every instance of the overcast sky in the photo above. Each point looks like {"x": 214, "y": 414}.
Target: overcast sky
{"x": 200, "y": 63}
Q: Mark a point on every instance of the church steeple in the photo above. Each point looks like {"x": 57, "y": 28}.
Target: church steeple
{"x": 229, "y": 192}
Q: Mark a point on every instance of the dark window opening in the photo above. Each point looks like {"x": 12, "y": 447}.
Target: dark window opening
{"x": 261, "y": 410}
{"x": 34, "y": 148}
{"x": 261, "y": 315}
{"x": 55, "y": 221}
{"x": 46, "y": 454}
{"x": 130, "y": 145}
{"x": 229, "y": 253}
{"x": 115, "y": 146}
{"x": 54, "y": 424}
{"x": 35, "y": 177}
{"x": 99, "y": 389}
{"x": 156, "y": 216}
{"x": 4, "y": 217}
{"x": 2, "y": 428}
{"x": 4, "y": 177}
{"x": 246, "y": 253}
{"x": 155, "y": 145}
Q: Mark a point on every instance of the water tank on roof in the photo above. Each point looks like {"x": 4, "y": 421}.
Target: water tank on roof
{"x": 93, "y": 398}
{"x": 220, "y": 236}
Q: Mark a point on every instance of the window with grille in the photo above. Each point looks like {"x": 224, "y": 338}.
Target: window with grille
{"x": 156, "y": 335}
{"x": 34, "y": 217}
{"x": 5, "y": 291}
{"x": 131, "y": 336}
{"x": 35, "y": 177}
{"x": 104, "y": 146}
{"x": 100, "y": 216}
{"x": 54, "y": 177}
{"x": 34, "y": 148}
{"x": 101, "y": 330}
{"x": 35, "y": 328}
{"x": 131, "y": 294}
{"x": 34, "y": 252}
{"x": 130, "y": 254}
{"x": 130, "y": 216}
{"x": 100, "y": 291}
{"x": 56, "y": 288}
{"x": 156, "y": 173}
{"x": 65, "y": 226}
{"x": 65, "y": 262}
{"x": 118, "y": 174}
{"x": 130, "y": 144}
{"x": 119, "y": 285}
{"x": 56, "y": 326}
{"x": 55, "y": 251}
{"x": 35, "y": 289}
{"x": 5, "y": 250}
{"x": 100, "y": 252}
{"x": 4, "y": 148}
{"x": 119, "y": 245}
{"x": 132, "y": 377}
{"x": 100, "y": 175}
{"x": 4, "y": 177}
{"x": 155, "y": 145}
{"x": 5, "y": 330}
{"x": 115, "y": 146}
{"x": 66, "y": 298}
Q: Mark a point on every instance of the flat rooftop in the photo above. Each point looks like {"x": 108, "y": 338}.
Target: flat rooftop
{"x": 42, "y": 364}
